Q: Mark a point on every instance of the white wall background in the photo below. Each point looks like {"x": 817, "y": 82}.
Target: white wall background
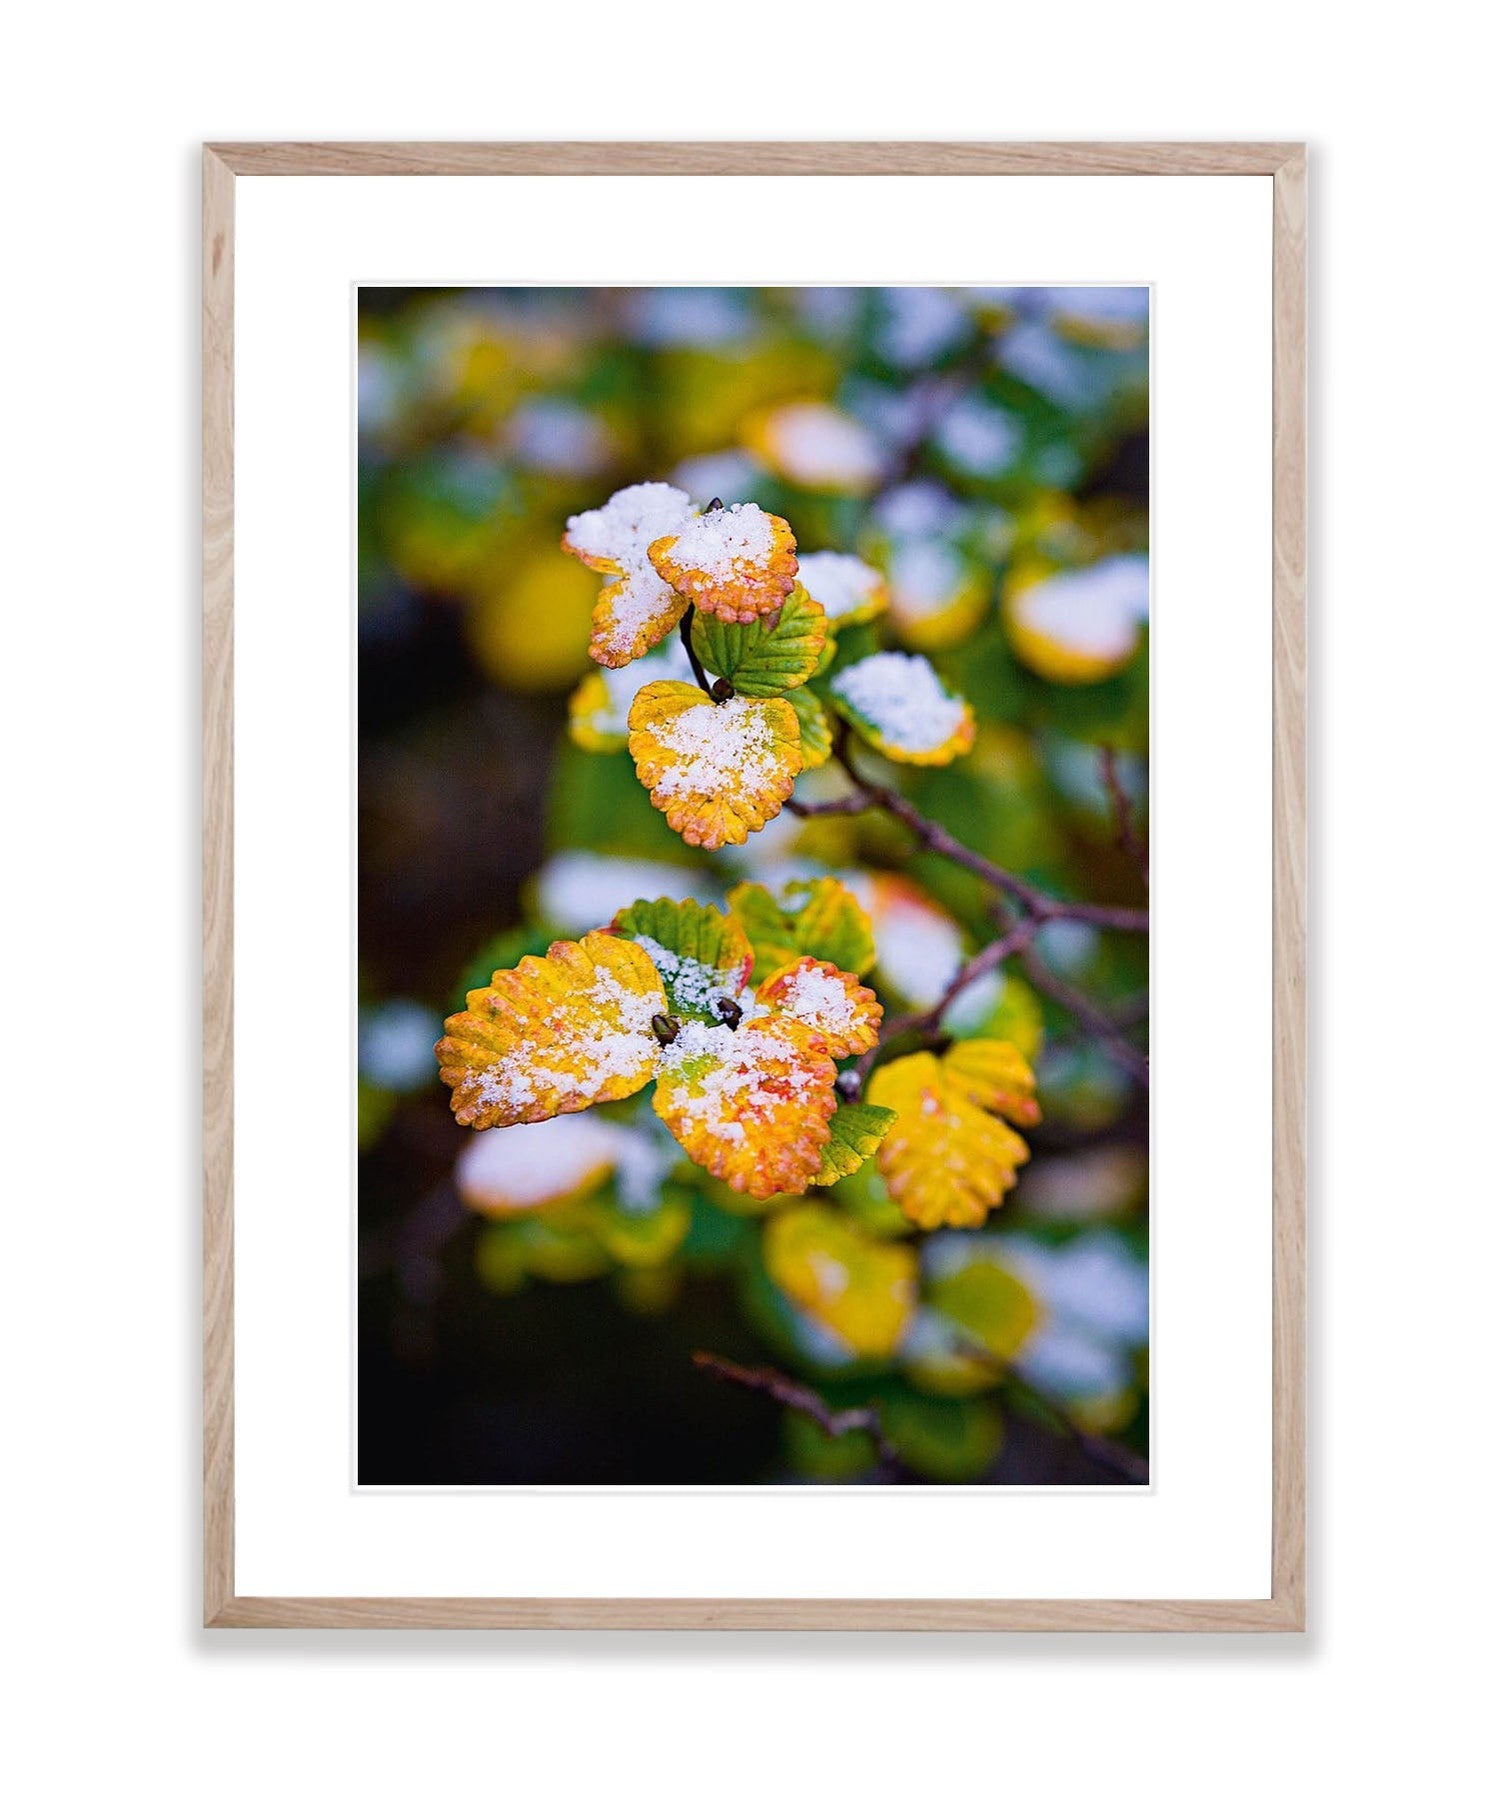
{"x": 104, "y": 110}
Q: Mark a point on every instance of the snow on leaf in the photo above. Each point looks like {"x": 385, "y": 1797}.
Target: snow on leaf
{"x": 561, "y": 1158}
{"x": 854, "y": 1134}
{"x": 1081, "y": 625}
{"x": 737, "y": 562}
{"x": 555, "y": 1034}
{"x": 828, "y": 1001}
{"x": 638, "y": 607}
{"x": 817, "y": 447}
{"x": 718, "y": 771}
{"x": 950, "y": 1157}
{"x": 818, "y": 918}
{"x": 750, "y": 1105}
{"x": 849, "y": 591}
{"x": 862, "y": 1290}
{"x": 765, "y": 658}
{"x": 702, "y": 957}
{"x": 899, "y": 704}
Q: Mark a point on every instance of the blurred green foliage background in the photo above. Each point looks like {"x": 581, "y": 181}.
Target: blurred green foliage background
{"x": 972, "y": 445}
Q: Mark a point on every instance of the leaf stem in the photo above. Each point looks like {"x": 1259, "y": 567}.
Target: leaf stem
{"x": 700, "y": 674}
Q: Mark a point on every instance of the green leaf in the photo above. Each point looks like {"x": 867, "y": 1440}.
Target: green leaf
{"x": 989, "y": 1305}
{"x": 856, "y": 1132}
{"x": 817, "y": 732}
{"x": 812, "y": 1452}
{"x": 644, "y": 1239}
{"x": 762, "y": 660}
{"x": 944, "y": 1439}
{"x": 818, "y": 918}
{"x": 702, "y": 956}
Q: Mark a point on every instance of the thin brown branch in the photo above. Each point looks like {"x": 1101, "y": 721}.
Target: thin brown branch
{"x": 1126, "y": 838}
{"x": 700, "y": 674}
{"x": 990, "y": 957}
{"x": 1102, "y": 1451}
{"x": 870, "y": 795}
{"x": 797, "y": 1398}
{"x": 1095, "y": 1020}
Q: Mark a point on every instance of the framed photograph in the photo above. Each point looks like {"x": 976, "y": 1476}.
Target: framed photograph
{"x": 754, "y": 883}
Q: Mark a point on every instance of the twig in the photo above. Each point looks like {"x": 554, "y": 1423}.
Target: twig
{"x": 700, "y": 674}
{"x": 870, "y": 796}
{"x": 988, "y": 958}
{"x": 798, "y": 1398}
{"x": 1099, "y": 1450}
{"x": 1099, "y": 1023}
{"x": 1126, "y": 837}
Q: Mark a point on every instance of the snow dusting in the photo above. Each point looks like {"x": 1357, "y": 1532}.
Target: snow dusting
{"x": 903, "y": 699}
{"x": 618, "y": 536}
{"x": 819, "y": 999}
{"x": 718, "y": 749}
{"x": 749, "y": 1075}
{"x": 728, "y": 541}
{"x": 839, "y": 584}
{"x": 1095, "y": 611}
{"x": 690, "y": 983}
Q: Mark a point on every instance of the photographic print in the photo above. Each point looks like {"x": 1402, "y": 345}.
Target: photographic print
{"x": 753, "y": 886}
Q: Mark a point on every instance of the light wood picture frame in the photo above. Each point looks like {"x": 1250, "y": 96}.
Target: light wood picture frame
{"x": 1285, "y": 164}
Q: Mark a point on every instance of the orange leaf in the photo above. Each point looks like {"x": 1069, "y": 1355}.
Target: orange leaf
{"x": 750, "y": 1105}
{"x": 736, "y": 562}
{"x": 828, "y": 1001}
{"x": 555, "y": 1034}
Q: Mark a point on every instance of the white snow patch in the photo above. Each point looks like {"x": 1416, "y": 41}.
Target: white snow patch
{"x": 840, "y": 584}
{"x": 1095, "y": 611}
{"x": 724, "y": 542}
{"x": 621, "y": 531}
{"x": 902, "y": 697}
{"x": 732, "y": 1088}
{"x": 718, "y": 749}
{"x": 816, "y": 445}
{"x": 512, "y": 1170}
{"x": 579, "y": 891}
{"x": 818, "y": 999}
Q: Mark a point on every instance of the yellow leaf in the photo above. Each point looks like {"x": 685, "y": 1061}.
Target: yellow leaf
{"x": 862, "y": 1290}
{"x": 718, "y": 771}
{"x": 736, "y": 562}
{"x": 750, "y": 1105}
{"x": 638, "y": 607}
{"x": 950, "y": 1158}
{"x": 825, "y": 999}
{"x": 590, "y": 721}
{"x": 528, "y": 624}
{"x": 555, "y": 1034}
